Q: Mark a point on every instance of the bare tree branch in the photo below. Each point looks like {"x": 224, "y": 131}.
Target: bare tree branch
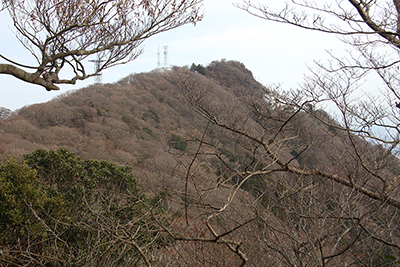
{"x": 56, "y": 33}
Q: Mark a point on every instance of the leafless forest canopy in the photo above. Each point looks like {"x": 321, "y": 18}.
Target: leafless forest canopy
{"x": 241, "y": 177}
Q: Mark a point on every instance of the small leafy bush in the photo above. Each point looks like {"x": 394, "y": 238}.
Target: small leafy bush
{"x": 178, "y": 142}
{"x": 228, "y": 154}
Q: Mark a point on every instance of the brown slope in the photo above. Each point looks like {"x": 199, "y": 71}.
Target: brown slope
{"x": 131, "y": 123}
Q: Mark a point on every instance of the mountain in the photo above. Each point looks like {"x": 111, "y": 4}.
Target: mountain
{"x": 212, "y": 142}
{"x": 129, "y": 122}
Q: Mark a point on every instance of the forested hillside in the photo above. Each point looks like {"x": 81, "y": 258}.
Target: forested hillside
{"x": 229, "y": 174}
{"x": 131, "y": 122}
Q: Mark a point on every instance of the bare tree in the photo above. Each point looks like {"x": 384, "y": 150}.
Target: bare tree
{"x": 60, "y": 35}
{"x": 317, "y": 209}
{"x": 372, "y": 29}
{"x": 279, "y": 198}
{"x": 5, "y": 113}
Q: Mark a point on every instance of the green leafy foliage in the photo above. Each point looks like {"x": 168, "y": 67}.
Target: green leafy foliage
{"x": 193, "y": 67}
{"x": 91, "y": 207}
{"x": 295, "y": 154}
{"x": 152, "y": 114}
{"x": 127, "y": 120}
{"x": 228, "y": 153}
{"x": 392, "y": 259}
{"x": 198, "y": 68}
{"x": 178, "y": 142}
{"x": 148, "y": 131}
{"x": 20, "y": 193}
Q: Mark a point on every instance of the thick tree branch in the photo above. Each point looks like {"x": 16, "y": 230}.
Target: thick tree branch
{"x": 70, "y": 31}
{"x": 28, "y": 77}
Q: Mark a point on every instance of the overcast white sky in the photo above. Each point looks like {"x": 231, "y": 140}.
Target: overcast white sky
{"x": 275, "y": 53}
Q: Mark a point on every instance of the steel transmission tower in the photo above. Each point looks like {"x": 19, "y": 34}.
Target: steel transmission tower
{"x": 98, "y": 76}
{"x": 165, "y": 56}
{"x": 164, "y": 65}
{"x": 158, "y": 58}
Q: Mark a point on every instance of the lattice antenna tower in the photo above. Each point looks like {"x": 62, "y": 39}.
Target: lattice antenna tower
{"x": 98, "y": 77}
{"x": 165, "y": 56}
{"x": 158, "y": 58}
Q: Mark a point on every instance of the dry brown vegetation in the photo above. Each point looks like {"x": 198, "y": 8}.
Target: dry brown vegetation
{"x": 229, "y": 199}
